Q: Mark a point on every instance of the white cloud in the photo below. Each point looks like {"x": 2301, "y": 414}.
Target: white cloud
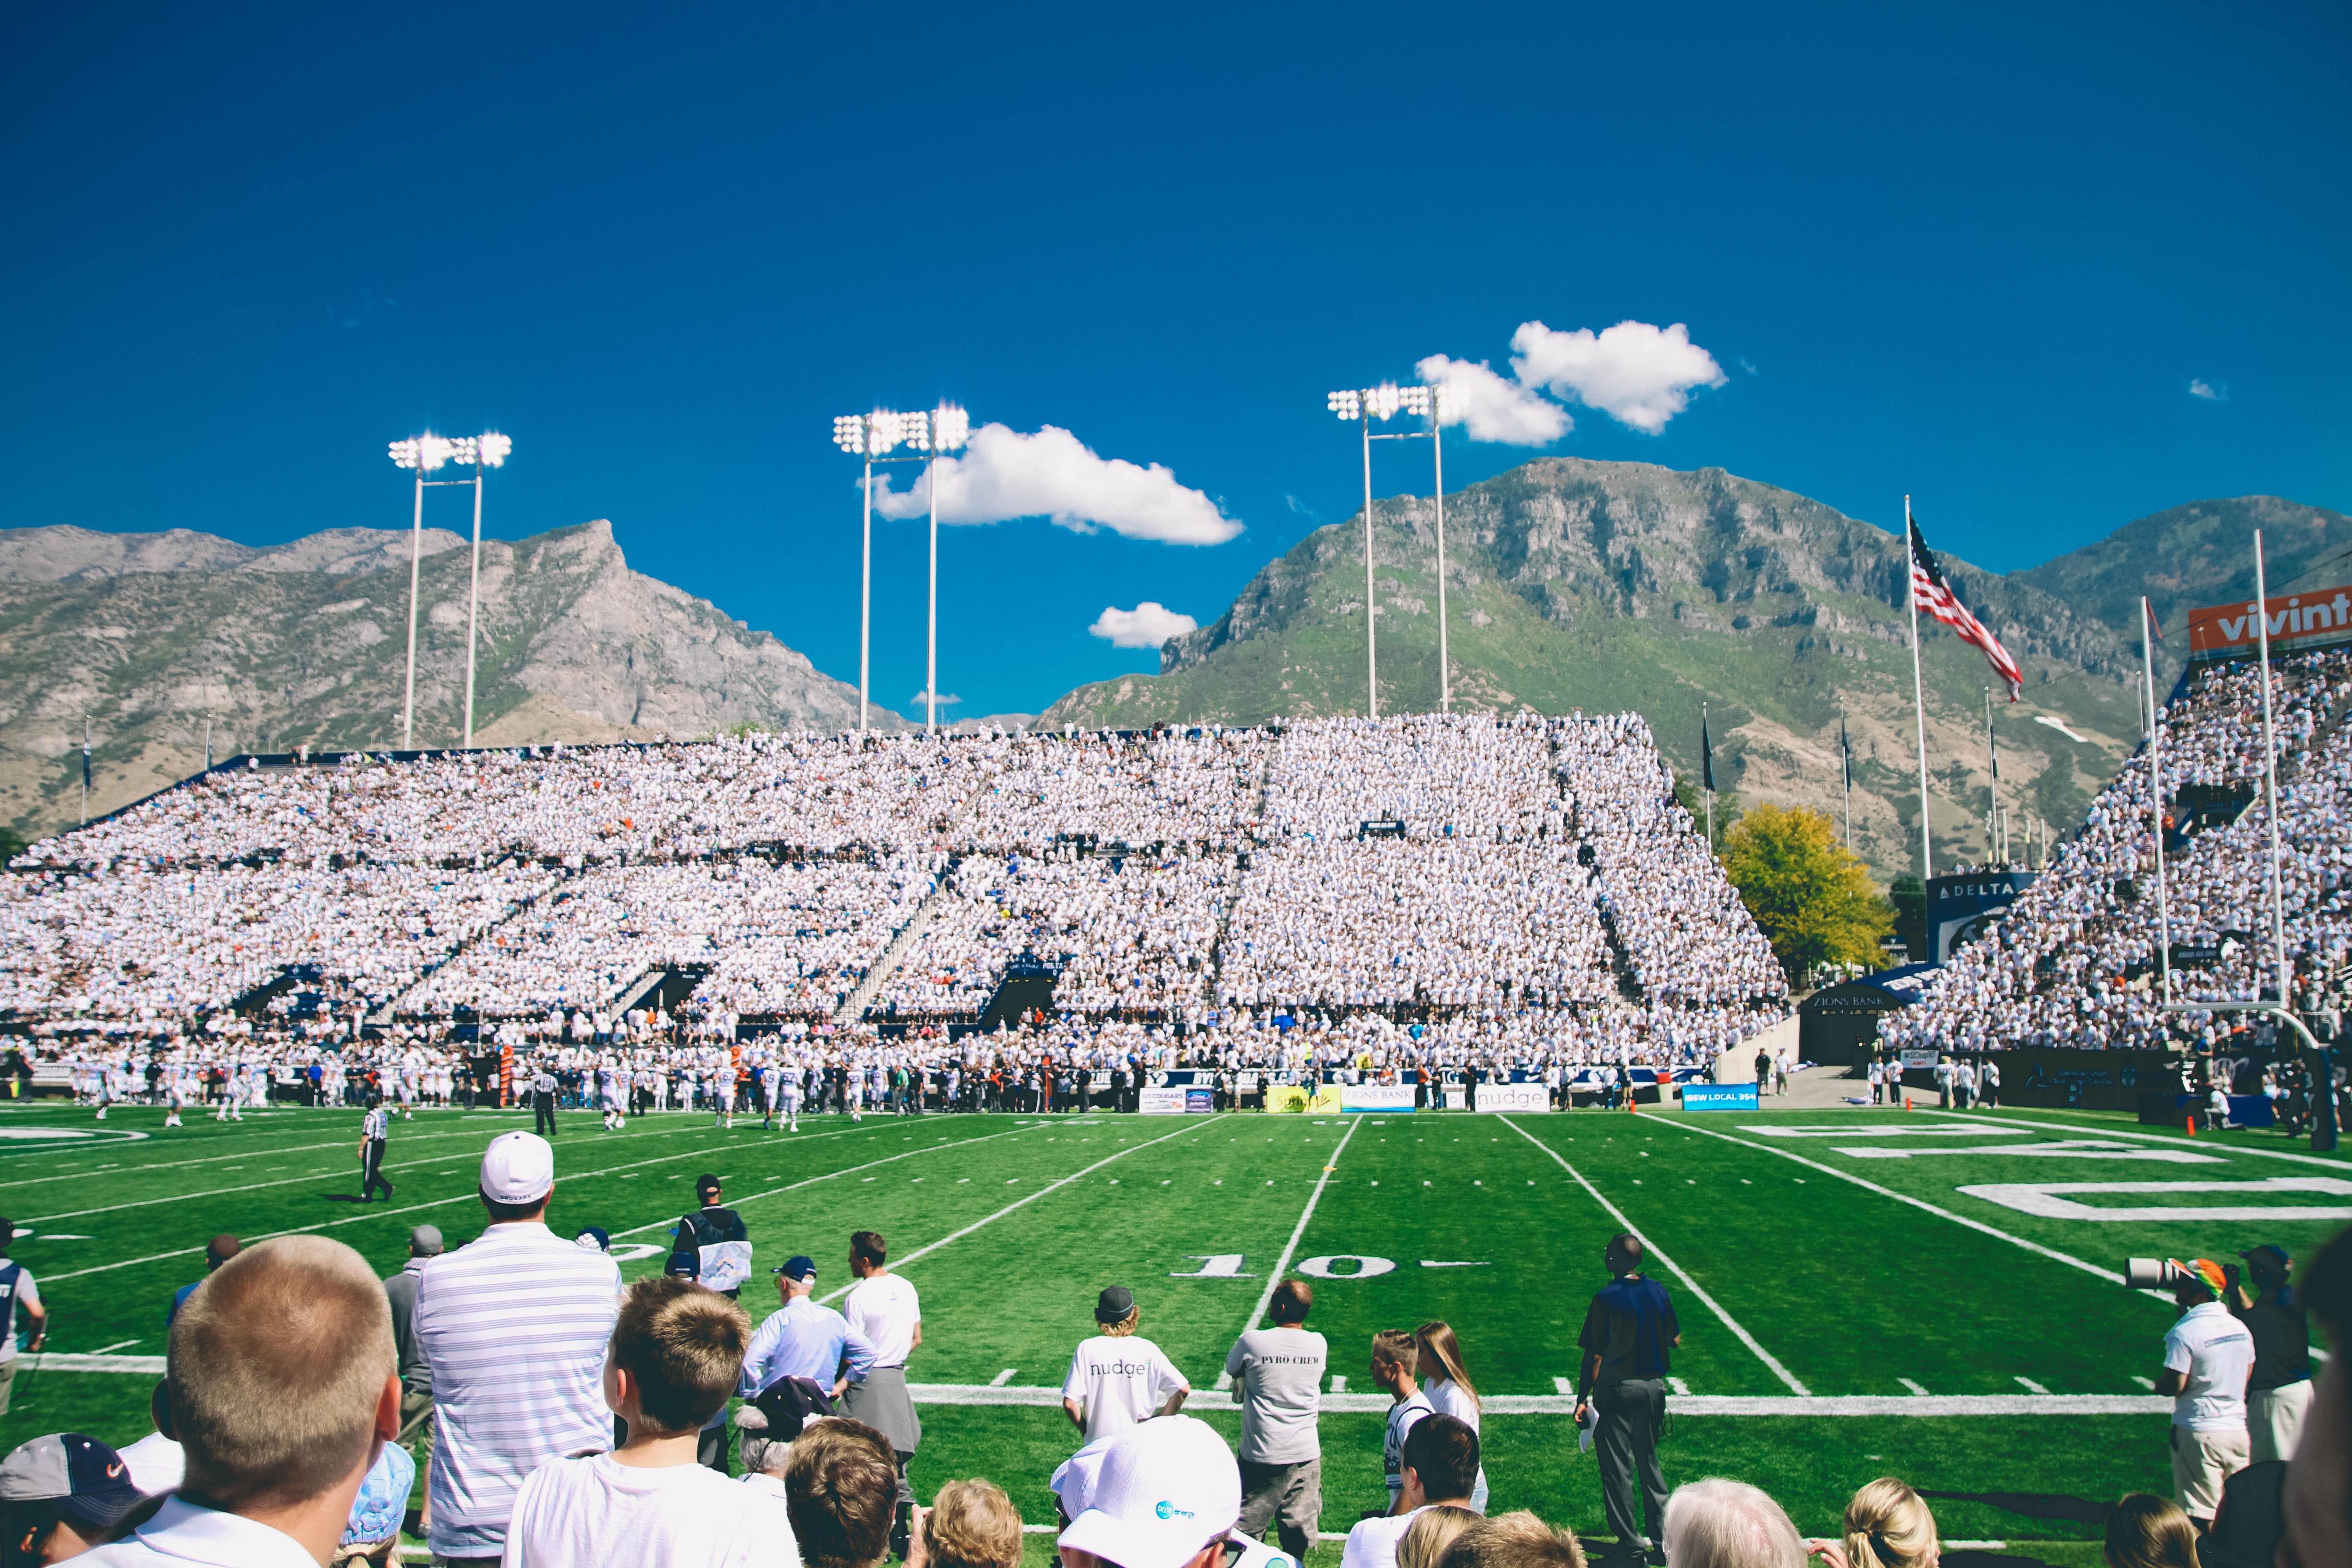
{"x": 1004, "y": 475}
{"x": 1638, "y": 375}
{"x": 2212, "y": 392}
{"x": 1147, "y": 626}
{"x": 945, "y": 698}
{"x": 1493, "y": 408}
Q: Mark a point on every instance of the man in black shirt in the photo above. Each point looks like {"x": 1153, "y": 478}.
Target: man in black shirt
{"x": 2278, "y": 1390}
{"x": 721, "y": 1247}
{"x": 1629, "y": 1330}
{"x": 543, "y": 1101}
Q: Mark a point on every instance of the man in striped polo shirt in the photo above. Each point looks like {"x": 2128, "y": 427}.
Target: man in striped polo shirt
{"x": 514, "y": 1327}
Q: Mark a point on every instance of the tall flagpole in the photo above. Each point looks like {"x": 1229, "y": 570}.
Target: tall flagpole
{"x": 1707, "y": 757}
{"x": 1919, "y": 697}
{"x": 1992, "y": 787}
{"x": 2270, "y": 776}
{"x": 1371, "y": 655}
{"x": 1437, "y": 451}
{"x": 2155, "y": 794}
{"x": 1846, "y": 766}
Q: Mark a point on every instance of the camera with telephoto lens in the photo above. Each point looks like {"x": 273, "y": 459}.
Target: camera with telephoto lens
{"x": 2158, "y": 1274}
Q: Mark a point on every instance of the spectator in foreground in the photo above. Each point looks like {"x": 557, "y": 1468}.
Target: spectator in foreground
{"x": 282, "y": 1388}
{"x": 841, "y": 1491}
{"x": 217, "y": 1251}
{"x": 61, "y": 1495}
{"x": 1167, "y": 1494}
{"x": 1441, "y": 1466}
{"x": 2208, "y": 1357}
{"x": 1887, "y": 1525}
{"x": 372, "y": 1531}
{"x": 2319, "y": 1481}
{"x": 1117, "y": 1379}
{"x": 416, "y": 1377}
{"x": 18, "y": 1295}
{"x": 2149, "y": 1532}
{"x": 884, "y": 1310}
{"x": 1277, "y": 1376}
{"x": 1718, "y": 1524}
{"x": 1432, "y": 1534}
{"x": 972, "y": 1525}
{"x": 1446, "y": 1381}
{"x": 676, "y": 1350}
{"x": 1395, "y": 1359}
{"x": 1519, "y": 1539}
{"x": 514, "y": 1326}
{"x": 1628, "y": 1331}
{"x": 2279, "y": 1391}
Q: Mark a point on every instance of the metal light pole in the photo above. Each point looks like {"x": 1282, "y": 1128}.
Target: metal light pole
{"x": 426, "y": 454}
{"x": 1383, "y": 401}
{"x": 2155, "y": 793}
{"x": 490, "y": 450}
{"x": 873, "y": 436}
{"x": 2270, "y": 779}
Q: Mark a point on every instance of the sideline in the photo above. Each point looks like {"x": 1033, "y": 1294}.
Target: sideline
{"x": 419, "y": 1209}
{"x": 1290, "y": 1248}
{"x": 1021, "y": 1202}
{"x": 1668, "y": 1264}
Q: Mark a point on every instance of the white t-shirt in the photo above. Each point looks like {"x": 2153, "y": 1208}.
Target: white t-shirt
{"x": 1372, "y": 1542}
{"x": 1278, "y": 1377}
{"x": 2216, "y": 1352}
{"x": 884, "y": 1310}
{"x": 1120, "y": 1381}
{"x": 575, "y": 1512}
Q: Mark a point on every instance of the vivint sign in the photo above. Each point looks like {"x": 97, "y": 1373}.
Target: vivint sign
{"x": 2219, "y": 630}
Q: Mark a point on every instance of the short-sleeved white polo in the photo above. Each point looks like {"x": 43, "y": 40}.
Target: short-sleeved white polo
{"x": 2216, "y": 1352}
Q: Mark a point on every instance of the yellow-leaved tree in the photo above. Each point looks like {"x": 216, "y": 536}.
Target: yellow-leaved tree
{"x": 1811, "y": 897}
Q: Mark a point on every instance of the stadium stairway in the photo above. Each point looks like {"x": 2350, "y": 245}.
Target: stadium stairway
{"x": 853, "y": 1006}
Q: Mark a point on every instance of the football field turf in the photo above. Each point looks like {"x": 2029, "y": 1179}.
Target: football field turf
{"x": 1927, "y": 1294}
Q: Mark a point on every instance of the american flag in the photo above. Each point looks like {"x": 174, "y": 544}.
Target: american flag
{"x": 1932, "y": 595}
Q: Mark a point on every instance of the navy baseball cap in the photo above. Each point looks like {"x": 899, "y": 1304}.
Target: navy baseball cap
{"x": 594, "y": 1238}
{"x": 2277, "y": 1252}
{"x": 800, "y": 1266}
{"x": 87, "y": 1478}
{"x": 685, "y": 1265}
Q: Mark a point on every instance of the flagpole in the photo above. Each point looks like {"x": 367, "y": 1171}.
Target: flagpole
{"x": 2155, "y": 799}
{"x": 1846, "y": 764}
{"x": 2270, "y": 778}
{"x": 1707, "y": 763}
{"x": 1919, "y": 698}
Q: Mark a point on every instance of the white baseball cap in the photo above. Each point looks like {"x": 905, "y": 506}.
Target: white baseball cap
{"x": 518, "y": 1168}
{"x": 1166, "y": 1489}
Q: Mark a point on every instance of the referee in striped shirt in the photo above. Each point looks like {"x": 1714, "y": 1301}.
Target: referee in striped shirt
{"x": 375, "y": 1137}
{"x": 513, "y": 1326}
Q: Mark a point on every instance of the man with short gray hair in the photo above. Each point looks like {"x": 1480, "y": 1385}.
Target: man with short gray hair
{"x": 415, "y": 1375}
{"x": 281, "y": 1389}
{"x": 1719, "y": 1523}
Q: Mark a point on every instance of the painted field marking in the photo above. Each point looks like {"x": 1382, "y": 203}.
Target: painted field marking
{"x": 418, "y": 1208}
{"x": 1917, "y": 1392}
{"x": 1338, "y": 1382}
{"x": 2029, "y": 1385}
{"x": 2167, "y": 1139}
{"x": 1922, "y": 1130}
{"x": 1561, "y": 1385}
{"x": 1679, "y": 1386}
{"x": 1668, "y": 1264}
{"x": 117, "y": 1345}
{"x": 2072, "y": 1149}
{"x": 2042, "y": 1199}
{"x": 2109, "y": 1275}
{"x": 1024, "y": 1201}
{"x": 1290, "y": 1248}
{"x": 1002, "y": 1378}
{"x": 2146, "y": 1383}
{"x": 829, "y": 1175}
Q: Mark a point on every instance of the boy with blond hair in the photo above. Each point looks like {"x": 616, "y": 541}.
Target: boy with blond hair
{"x": 675, "y": 1351}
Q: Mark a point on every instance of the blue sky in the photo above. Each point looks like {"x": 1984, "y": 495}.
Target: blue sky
{"x": 1977, "y": 253}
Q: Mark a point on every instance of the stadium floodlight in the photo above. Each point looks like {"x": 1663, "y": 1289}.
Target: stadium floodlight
{"x": 873, "y": 436}
{"x": 428, "y": 453}
{"x": 1437, "y": 405}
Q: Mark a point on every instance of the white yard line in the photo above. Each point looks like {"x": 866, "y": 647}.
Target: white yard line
{"x": 1918, "y": 1391}
{"x": 1002, "y": 1378}
{"x": 2109, "y": 1275}
{"x": 2029, "y": 1385}
{"x": 1033, "y": 1197}
{"x": 247, "y": 1152}
{"x": 829, "y": 1175}
{"x": 1290, "y": 1248}
{"x": 405, "y": 1208}
{"x": 1668, "y": 1264}
{"x": 2170, "y": 1140}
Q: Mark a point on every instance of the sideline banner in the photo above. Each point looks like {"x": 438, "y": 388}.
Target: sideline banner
{"x": 1163, "y": 1101}
{"x": 1719, "y": 1097}
{"x": 1519, "y": 1098}
{"x": 2317, "y": 616}
{"x": 1381, "y": 1097}
{"x": 1298, "y": 1100}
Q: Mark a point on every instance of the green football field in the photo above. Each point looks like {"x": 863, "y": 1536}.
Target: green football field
{"x": 1926, "y": 1294}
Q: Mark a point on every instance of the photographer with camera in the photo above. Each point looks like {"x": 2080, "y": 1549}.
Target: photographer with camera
{"x": 2206, "y": 1357}
{"x": 2279, "y": 1391}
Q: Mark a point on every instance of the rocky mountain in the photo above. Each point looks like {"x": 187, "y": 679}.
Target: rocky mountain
{"x": 1577, "y": 584}
{"x": 153, "y": 635}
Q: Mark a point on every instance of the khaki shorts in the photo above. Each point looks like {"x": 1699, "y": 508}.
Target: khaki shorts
{"x": 2201, "y": 1461}
{"x": 2274, "y": 1419}
{"x": 7, "y": 1383}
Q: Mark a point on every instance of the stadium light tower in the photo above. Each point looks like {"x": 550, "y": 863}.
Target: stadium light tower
{"x": 428, "y": 453}
{"x": 874, "y": 436}
{"x": 1384, "y": 401}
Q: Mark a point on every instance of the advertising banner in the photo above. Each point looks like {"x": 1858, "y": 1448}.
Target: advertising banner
{"x": 1199, "y": 1101}
{"x": 1960, "y": 908}
{"x": 2305, "y": 619}
{"x": 1384, "y": 1097}
{"x": 1297, "y": 1100}
{"x": 1517, "y": 1098}
{"x": 1719, "y": 1097}
{"x": 1163, "y": 1101}
{"x": 1456, "y": 1097}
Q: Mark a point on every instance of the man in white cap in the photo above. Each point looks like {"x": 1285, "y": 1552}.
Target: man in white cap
{"x": 1166, "y": 1494}
{"x": 513, "y": 1326}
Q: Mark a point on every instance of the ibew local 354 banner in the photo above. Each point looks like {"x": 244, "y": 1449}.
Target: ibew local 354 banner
{"x": 2324, "y": 615}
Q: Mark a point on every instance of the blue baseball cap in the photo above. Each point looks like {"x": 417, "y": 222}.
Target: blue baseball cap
{"x": 799, "y": 1267}
{"x": 89, "y": 1479}
{"x": 685, "y": 1265}
{"x": 594, "y": 1238}
{"x": 2273, "y": 1249}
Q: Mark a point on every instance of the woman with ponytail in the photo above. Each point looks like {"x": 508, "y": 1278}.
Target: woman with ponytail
{"x": 1887, "y": 1525}
{"x": 1446, "y": 1383}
